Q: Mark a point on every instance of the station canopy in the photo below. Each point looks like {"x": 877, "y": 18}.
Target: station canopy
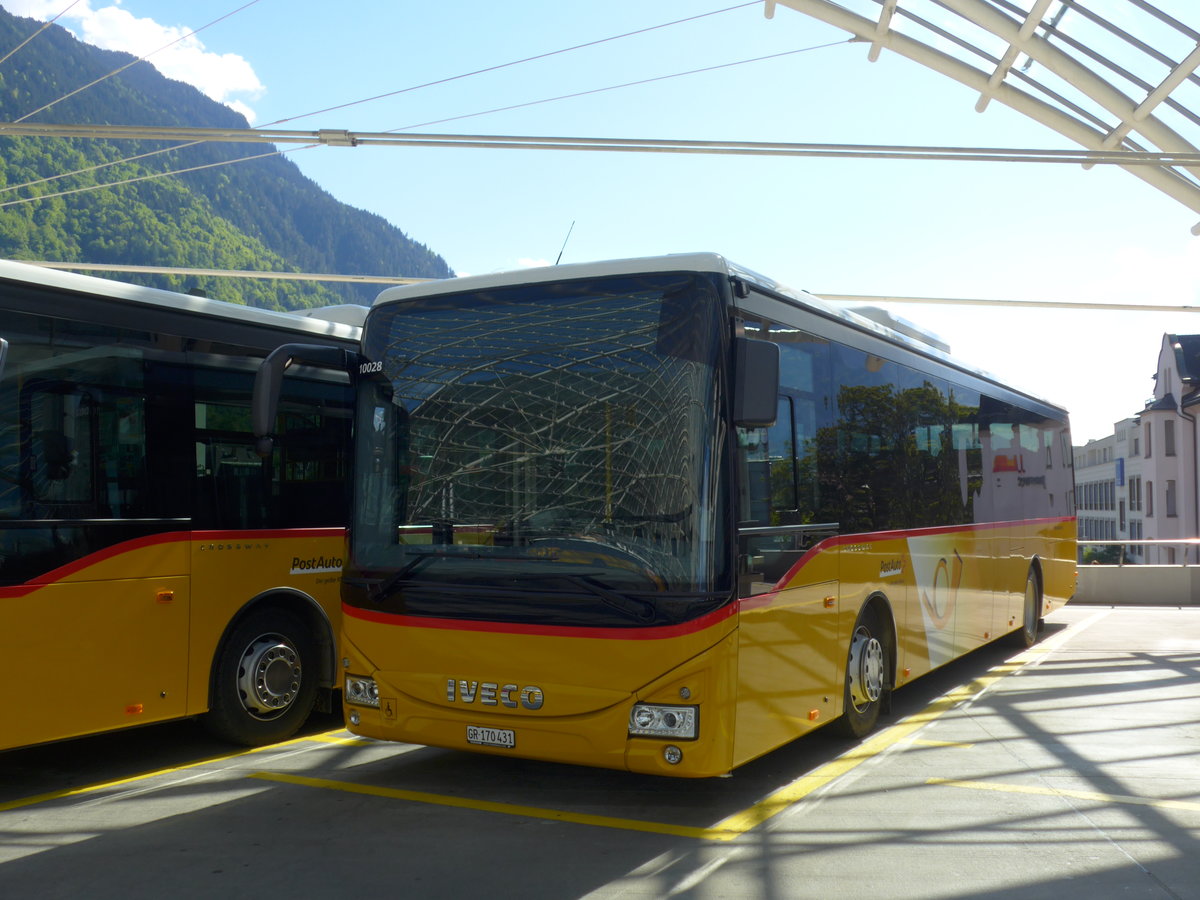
{"x": 1117, "y": 77}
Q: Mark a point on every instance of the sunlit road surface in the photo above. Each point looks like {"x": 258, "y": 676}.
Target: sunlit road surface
{"x": 1071, "y": 770}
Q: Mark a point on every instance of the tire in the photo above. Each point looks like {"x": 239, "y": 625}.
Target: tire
{"x": 264, "y": 680}
{"x": 866, "y": 677}
{"x": 1031, "y": 620}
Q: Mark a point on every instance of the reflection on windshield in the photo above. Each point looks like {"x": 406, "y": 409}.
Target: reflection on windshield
{"x": 563, "y": 430}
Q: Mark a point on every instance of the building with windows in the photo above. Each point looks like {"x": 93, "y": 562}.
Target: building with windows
{"x": 1142, "y": 483}
{"x": 1107, "y": 478}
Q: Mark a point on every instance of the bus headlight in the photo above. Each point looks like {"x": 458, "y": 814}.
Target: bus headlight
{"x": 362, "y": 691}
{"x": 654, "y": 720}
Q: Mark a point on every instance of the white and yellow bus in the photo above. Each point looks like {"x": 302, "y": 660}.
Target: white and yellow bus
{"x": 152, "y": 565}
{"x": 666, "y": 515}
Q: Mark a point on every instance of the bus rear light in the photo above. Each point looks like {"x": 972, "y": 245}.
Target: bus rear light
{"x": 362, "y": 691}
{"x": 651, "y": 720}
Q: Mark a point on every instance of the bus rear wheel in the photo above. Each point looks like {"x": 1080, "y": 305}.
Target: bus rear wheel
{"x": 1031, "y": 621}
{"x": 866, "y": 677}
{"x": 264, "y": 679}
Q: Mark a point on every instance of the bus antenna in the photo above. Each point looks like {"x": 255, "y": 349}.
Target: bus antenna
{"x": 564, "y": 246}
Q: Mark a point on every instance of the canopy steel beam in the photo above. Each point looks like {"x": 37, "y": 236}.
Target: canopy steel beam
{"x": 1176, "y": 180}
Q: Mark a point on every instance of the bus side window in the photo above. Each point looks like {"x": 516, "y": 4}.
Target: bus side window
{"x": 313, "y": 467}
{"x": 60, "y": 477}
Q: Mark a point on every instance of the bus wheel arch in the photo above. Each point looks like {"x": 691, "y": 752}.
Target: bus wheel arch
{"x": 870, "y": 673}
{"x": 268, "y": 667}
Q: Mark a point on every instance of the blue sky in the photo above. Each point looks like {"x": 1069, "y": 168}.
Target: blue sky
{"x": 900, "y": 228}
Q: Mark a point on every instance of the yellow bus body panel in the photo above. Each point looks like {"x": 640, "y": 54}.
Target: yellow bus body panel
{"x": 589, "y": 684}
{"x": 231, "y": 570}
{"x": 97, "y": 648}
{"x": 128, "y": 635}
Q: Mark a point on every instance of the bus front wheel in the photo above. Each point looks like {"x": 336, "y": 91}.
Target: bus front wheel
{"x": 264, "y": 679}
{"x": 866, "y": 677}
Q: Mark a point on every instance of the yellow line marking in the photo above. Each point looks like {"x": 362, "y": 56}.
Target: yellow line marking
{"x": 728, "y": 828}
{"x": 1058, "y": 792}
{"x": 739, "y": 823}
{"x": 105, "y": 785}
{"x": 340, "y": 738}
{"x": 927, "y": 742}
{"x": 533, "y": 812}
{"x": 785, "y": 797}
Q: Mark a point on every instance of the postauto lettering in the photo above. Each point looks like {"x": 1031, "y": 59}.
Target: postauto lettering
{"x": 492, "y": 693}
{"x": 316, "y": 564}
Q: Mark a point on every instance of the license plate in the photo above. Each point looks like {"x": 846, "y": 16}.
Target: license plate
{"x": 491, "y": 737}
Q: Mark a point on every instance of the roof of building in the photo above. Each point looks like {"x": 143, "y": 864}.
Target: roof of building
{"x": 1166, "y": 403}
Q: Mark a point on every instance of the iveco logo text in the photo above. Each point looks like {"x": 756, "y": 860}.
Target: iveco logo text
{"x": 315, "y": 565}
{"x": 491, "y": 693}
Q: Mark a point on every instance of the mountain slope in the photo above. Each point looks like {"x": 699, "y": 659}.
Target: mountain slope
{"x": 241, "y": 213}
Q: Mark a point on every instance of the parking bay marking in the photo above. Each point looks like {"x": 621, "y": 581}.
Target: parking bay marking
{"x": 727, "y": 829}
{"x": 741, "y": 822}
{"x": 1112, "y": 799}
{"x": 143, "y": 776}
{"x": 490, "y": 806}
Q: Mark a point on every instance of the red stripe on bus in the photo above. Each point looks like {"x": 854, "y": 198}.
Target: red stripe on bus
{"x": 768, "y": 597}
{"x": 706, "y": 621}
{"x": 164, "y": 537}
{"x": 653, "y": 633}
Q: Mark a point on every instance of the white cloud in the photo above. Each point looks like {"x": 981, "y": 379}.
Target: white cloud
{"x": 526, "y": 262}
{"x": 226, "y": 78}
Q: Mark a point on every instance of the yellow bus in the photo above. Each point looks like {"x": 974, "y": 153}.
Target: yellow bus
{"x": 152, "y": 565}
{"x": 666, "y": 515}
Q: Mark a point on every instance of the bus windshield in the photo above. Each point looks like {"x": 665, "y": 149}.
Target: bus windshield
{"x": 546, "y": 452}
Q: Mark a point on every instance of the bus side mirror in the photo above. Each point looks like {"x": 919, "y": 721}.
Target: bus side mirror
{"x": 755, "y": 382}
{"x": 3, "y": 355}
{"x": 268, "y": 384}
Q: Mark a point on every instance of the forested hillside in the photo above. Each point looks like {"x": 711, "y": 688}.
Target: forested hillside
{"x": 255, "y": 214}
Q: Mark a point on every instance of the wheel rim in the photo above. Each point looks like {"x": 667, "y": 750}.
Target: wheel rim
{"x": 866, "y": 669}
{"x": 269, "y": 676}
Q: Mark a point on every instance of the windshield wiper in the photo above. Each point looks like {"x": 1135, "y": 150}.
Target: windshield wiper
{"x": 630, "y": 607}
{"x": 380, "y": 589}
{"x": 377, "y": 591}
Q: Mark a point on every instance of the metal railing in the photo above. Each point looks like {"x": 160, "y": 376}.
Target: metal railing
{"x": 1186, "y": 543}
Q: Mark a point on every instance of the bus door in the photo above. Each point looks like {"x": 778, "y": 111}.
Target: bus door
{"x": 95, "y": 598}
{"x": 788, "y": 653}
{"x": 1005, "y": 459}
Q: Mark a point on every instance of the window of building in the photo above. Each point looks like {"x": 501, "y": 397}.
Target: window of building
{"x": 1169, "y": 437}
{"x": 1149, "y": 499}
{"x": 1171, "y": 513}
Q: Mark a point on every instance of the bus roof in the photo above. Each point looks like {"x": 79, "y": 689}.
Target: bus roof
{"x": 337, "y": 323}
{"x": 875, "y": 321}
